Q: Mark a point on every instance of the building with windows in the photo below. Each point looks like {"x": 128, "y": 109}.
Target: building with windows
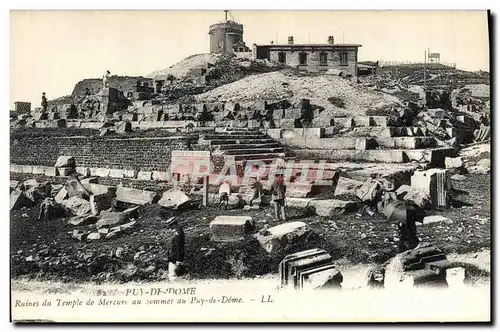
{"x": 311, "y": 57}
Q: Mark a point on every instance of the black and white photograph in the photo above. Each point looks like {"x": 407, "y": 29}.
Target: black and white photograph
{"x": 250, "y": 166}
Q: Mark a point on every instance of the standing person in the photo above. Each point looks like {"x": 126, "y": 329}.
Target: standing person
{"x": 176, "y": 250}
{"x": 224, "y": 191}
{"x": 408, "y": 238}
{"x": 44, "y": 102}
{"x": 105, "y": 79}
{"x": 278, "y": 190}
{"x": 257, "y": 190}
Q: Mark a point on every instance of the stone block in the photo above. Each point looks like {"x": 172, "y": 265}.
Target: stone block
{"x": 50, "y": 171}
{"x": 75, "y": 188}
{"x": 402, "y": 191}
{"x": 100, "y": 172}
{"x": 314, "y": 132}
{"x": 161, "y": 176}
{"x": 77, "y": 205}
{"x": 231, "y": 228}
{"x": 87, "y": 181}
{"x": 16, "y": 168}
{"x": 65, "y": 161}
{"x": 299, "y": 189}
{"x": 94, "y": 236}
{"x": 279, "y": 238}
{"x": 18, "y": 200}
{"x": 433, "y": 182}
{"x": 99, "y": 189}
{"x": 84, "y": 171}
{"x": 114, "y": 218}
{"x": 13, "y": 185}
{"x": 65, "y": 171}
{"x": 454, "y": 163}
{"x": 100, "y": 202}
{"x": 173, "y": 199}
{"x": 274, "y": 133}
{"x": 144, "y": 175}
{"x": 346, "y": 186}
{"x": 123, "y": 227}
{"x": 135, "y": 196}
{"x": 418, "y": 197}
{"x": 82, "y": 220}
{"x": 39, "y": 169}
{"x": 436, "y": 219}
{"x": 27, "y": 169}
{"x": 332, "y": 207}
{"x": 61, "y": 195}
{"x": 344, "y": 122}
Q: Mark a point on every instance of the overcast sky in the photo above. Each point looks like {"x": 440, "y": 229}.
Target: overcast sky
{"x": 52, "y": 50}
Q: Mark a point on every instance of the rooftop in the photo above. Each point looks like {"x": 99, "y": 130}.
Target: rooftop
{"x": 310, "y": 45}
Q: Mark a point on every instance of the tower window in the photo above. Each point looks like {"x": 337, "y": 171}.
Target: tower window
{"x": 303, "y": 58}
{"x": 282, "y": 57}
{"x": 343, "y": 58}
{"x": 323, "y": 59}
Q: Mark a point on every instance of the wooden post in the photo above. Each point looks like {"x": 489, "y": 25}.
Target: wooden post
{"x": 205, "y": 190}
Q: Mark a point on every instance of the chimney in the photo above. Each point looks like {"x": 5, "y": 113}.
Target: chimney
{"x": 290, "y": 40}
{"x": 330, "y": 40}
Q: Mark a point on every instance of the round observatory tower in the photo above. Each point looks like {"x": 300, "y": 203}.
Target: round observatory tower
{"x": 224, "y": 35}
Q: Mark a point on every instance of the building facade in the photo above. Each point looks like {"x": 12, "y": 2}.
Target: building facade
{"x": 311, "y": 57}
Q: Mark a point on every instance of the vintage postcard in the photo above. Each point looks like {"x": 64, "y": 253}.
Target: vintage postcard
{"x": 250, "y": 166}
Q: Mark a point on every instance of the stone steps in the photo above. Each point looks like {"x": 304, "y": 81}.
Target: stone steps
{"x": 236, "y": 146}
{"x": 210, "y": 137}
{"x": 243, "y": 151}
{"x": 378, "y": 131}
{"x": 259, "y": 156}
{"x": 219, "y": 142}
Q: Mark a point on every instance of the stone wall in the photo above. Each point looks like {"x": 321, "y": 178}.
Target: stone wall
{"x": 145, "y": 154}
{"x": 122, "y": 83}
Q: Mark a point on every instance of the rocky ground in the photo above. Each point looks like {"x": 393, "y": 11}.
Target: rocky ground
{"x": 45, "y": 250}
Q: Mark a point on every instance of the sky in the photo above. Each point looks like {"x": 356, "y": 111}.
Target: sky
{"x": 51, "y": 51}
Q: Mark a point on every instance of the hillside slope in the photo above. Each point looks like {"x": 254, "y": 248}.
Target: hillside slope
{"x": 286, "y": 84}
{"x": 182, "y": 68}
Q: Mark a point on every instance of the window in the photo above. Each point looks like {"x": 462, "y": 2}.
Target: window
{"x": 303, "y": 59}
{"x": 282, "y": 57}
{"x": 343, "y": 58}
{"x": 323, "y": 59}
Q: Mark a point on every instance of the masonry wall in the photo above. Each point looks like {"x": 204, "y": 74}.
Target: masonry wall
{"x": 148, "y": 154}
{"x": 313, "y": 60}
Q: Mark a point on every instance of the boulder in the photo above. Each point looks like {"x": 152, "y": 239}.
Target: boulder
{"x": 402, "y": 191}
{"x": 230, "y": 228}
{"x": 18, "y": 200}
{"x": 65, "y": 161}
{"x": 325, "y": 278}
{"x": 50, "y": 171}
{"x": 98, "y": 189}
{"x": 173, "y": 199}
{"x": 346, "y": 186}
{"x": 436, "y": 219}
{"x": 77, "y": 205}
{"x": 114, "y": 218}
{"x": 82, "y": 220}
{"x": 79, "y": 235}
{"x": 478, "y": 170}
{"x": 284, "y": 236}
{"x": 135, "y": 196}
{"x": 419, "y": 197}
{"x": 454, "y": 163}
{"x": 94, "y": 236}
{"x": 485, "y": 163}
{"x": 370, "y": 190}
{"x": 331, "y": 207}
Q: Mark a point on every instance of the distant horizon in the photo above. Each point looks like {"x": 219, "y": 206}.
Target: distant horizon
{"x": 44, "y": 59}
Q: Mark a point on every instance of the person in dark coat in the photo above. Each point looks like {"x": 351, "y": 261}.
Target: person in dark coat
{"x": 176, "y": 250}
{"x": 278, "y": 190}
{"x": 44, "y": 102}
{"x": 408, "y": 238}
